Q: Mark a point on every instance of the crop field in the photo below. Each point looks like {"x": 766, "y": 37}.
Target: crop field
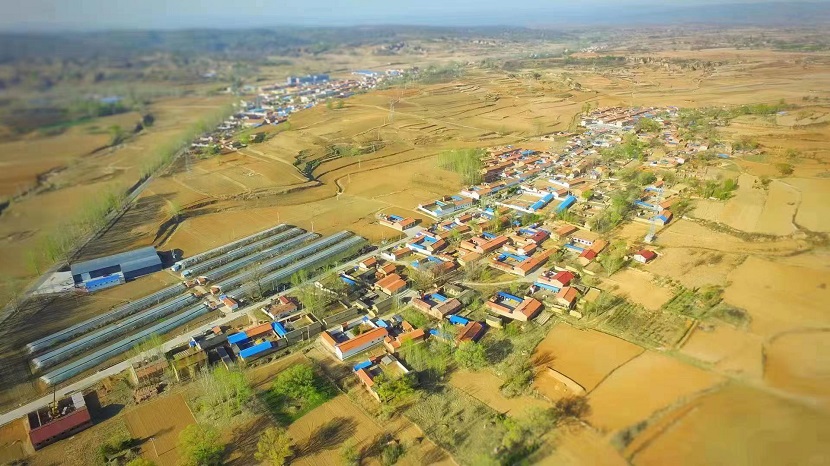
{"x": 585, "y": 356}
{"x": 14, "y": 442}
{"x": 484, "y": 386}
{"x": 643, "y": 386}
{"x": 578, "y": 445}
{"x": 799, "y": 362}
{"x": 320, "y": 434}
{"x": 638, "y": 286}
{"x": 737, "y": 425}
{"x": 160, "y": 420}
{"x": 632, "y": 322}
{"x": 727, "y": 349}
{"x": 779, "y": 297}
{"x": 73, "y": 168}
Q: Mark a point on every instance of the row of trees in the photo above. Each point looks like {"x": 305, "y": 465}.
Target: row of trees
{"x": 465, "y": 162}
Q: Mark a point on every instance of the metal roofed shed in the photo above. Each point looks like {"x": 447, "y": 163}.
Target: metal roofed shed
{"x": 129, "y": 265}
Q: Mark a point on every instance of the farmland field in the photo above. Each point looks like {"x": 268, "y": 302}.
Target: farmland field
{"x": 740, "y": 426}
{"x": 160, "y": 421}
{"x": 643, "y": 386}
{"x": 585, "y": 356}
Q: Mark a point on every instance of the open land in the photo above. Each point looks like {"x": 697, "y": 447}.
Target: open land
{"x": 668, "y": 389}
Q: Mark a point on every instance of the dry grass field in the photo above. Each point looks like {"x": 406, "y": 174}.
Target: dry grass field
{"x": 485, "y": 387}
{"x": 643, "y": 386}
{"x": 737, "y": 425}
{"x": 160, "y": 421}
{"x": 585, "y": 356}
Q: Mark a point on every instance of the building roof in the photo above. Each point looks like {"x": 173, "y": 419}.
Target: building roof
{"x": 589, "y": 254}
{"x": 128, "y": 261}
{"x": 362, "y": 339}
{"x": 646, "y": 254}
{"x": 471, "y": 332}
{"x": 365, "y": 377}
{"x": 70, "y": 421}
{"x": 258, "y": 330}
{"x": 568, "y": 294}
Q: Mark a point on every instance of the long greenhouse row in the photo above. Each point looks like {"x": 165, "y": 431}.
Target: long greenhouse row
{"x": 280, "y": 276}
{"x": 239, "y": 264}
{"x": 189, "y": 261}
{"x": 301, "y": 254}
{"x": 76, "y": 367}
{"x": 104, "y": 319}
{"x": 103, "y": 335}
{"x": 141, "y": 304}
{"x": 281, "y": 261}
{"x": 231, "y": 256}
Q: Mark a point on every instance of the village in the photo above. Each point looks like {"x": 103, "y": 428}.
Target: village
{"x": 524, "y": 247}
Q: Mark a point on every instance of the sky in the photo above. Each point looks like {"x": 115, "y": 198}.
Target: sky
{"x": 60, "y": 15}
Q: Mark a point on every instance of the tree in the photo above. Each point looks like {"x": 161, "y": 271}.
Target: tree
{"x": 391, "y": 453}
{"x": 470, "y": 355}
{"x": 141, "y": 462}
{"x": 614, "y": 259}
{"x": 647, "y": 125}
{"x": 117, "y": 135}
{"x": 587, "y": 194}
{"x": 785, "y": 169}
{"x": 199, "y": 445}
{"x": 394, "y": 391}
{"x": 274, "y": 447}
{"x": 350, "y": 454}
{"x": 297, "y": 382}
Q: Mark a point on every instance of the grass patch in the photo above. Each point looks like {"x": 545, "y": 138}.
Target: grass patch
{"x": 656, "y": 329}
{"x": 296, "y": 391}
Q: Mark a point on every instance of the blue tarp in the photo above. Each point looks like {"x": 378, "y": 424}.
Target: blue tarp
{"x": 256, "y": 349}
{"x": 362, "y": 365}
{"x": 396, "y": 218}
{"x": 457, "y": 320}
{"x": 438, "y": 297}
{"x": 382, "y": 323}
{"x": 237, "y": 338}
{"x": 546, "y": 286}
{"x": 509, "y": 296}
{"x": 348, "y": 280}
{"x": 574, "y": 247}
{"x": 279, "y": 329}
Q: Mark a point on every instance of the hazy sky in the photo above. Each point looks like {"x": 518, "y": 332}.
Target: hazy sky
{"x": 21, "y": 15}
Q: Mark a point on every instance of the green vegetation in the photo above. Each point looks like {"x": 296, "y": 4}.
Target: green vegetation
{"x": 430, "y": 359}
{"x": 746, "y": 143}
{"x": 224, "y": 394}
{"x": 605, "y": 302}
{"x": 695, "y": 302}
{"x": 391, "y": 453}
{"x": 721, "y": 190}
{"x": 656, "y": 329}
{"x": 200, "y": 445}
{"x": 622, "y": 204}
{"x": 114, "y": 446}
{"x": 350, "y": 454}
{"x": 465, "y": 162}
{"x": 614, "y": 258}
{"x": 57, "y": 246}
{"x": 274, "y": 446}
{"x": 140, "y": 462}
{"x": 647, "y": 125}
{"x": 296, "y": 391}
{"x": 785, "y": 169}
{"x": 415, "y": 317}
{"x": 470, "y": 355}
{"x": 395, "y": 391}
{"x": 631, "y": 148}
